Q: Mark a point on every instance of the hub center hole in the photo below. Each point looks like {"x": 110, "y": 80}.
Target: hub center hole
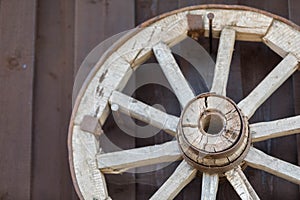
{"x": 212, "y": 123}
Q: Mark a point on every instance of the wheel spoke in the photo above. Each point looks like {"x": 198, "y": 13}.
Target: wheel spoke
{"x": 173, "y": 73}
{"x": 267, "y": 130}
{"x": 210, "y": 183}
{"x": 226, "y": 46}
{"x": 241, "y": 185}
{"x": 183, "y": 174}
{"x": 259, "y": 160}
{"x": 277, "y": 76}
{"x": 120, "y": 161}
{"x": 144, "y": 112}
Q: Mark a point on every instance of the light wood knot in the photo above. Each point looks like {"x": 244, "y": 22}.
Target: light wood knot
{"x": 213, "y": 133}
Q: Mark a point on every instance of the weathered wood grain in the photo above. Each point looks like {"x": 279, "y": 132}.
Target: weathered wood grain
{"x": 113, "y": 75}
{"x": 17, "y": 41}
{"x": 183, "y": 174}
{"x": 173, "y": 73}
{"x": 273, "y": 129}
{"x": 225, "y": 51}
{"x": 170, "y": 30}
{"x": 239, "y": 182}
{"x": 210, "y": 183}
{"x": 293, "y": 16}
{"x": 87, "y": 66}
{"x": 120, "y": 161}
{"x": 259, "y": 160}
{"x": 283, "y": 39}
{"x": 249, "y": 25}
{"x": 145, "y": 113}
{"x": 91, "y": 181}
{"x": 274, "y": 80}
{"x": 52, "y": 100}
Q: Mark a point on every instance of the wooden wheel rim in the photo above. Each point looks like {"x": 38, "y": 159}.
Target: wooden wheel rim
{"x": 278, "y": 33}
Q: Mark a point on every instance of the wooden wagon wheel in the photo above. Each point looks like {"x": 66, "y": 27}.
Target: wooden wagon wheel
{"x": 213, "y": 134}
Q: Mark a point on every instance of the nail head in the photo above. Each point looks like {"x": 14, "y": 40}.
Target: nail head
{"x": 210, "y": 16}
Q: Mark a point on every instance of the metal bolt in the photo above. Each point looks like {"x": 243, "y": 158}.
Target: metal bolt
{"x": 114, "y": 107}
{"x": 210, "y": 17}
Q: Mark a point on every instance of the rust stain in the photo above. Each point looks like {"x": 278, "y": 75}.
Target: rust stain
{"x": 195, "y": 26}
{"x": 195, "y": 22}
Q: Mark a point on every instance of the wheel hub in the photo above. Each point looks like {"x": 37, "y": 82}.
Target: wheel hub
{"x": 213, "y": 133}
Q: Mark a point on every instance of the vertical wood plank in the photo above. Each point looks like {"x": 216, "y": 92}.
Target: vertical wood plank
{"x": 52, "y": 108}
{"x": 17, "y": 46}
{"x": 146, "y": 9}
{"x": 95, "y": 21}
{"x": 149, "y": 182}
{"x": 293, "y": 6}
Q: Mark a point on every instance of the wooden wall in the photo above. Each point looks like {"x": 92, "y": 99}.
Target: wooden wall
{"x": 42, "y": 44}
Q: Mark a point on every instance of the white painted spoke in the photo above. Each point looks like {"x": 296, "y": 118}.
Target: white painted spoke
{"x": 210, "y": 183}
{"x": 259, "y": 160}
{"x": 226, "y": 47}
{"x": 241, "y": 185}
{"x": 277, "y": 76}
{"x": 117, "y": 162}
{"x": 144, "y": 112}
{"x": 278, "y": 128}
{"x": 183, "y": 174}
{"x": 173, "y": 73}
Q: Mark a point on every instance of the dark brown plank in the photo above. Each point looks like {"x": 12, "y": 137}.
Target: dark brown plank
{"x": 17, "y": 41}
{"x": 95, "y": 21}
{"x": 183, "y": 3}
{"x": 278, "y": 7}
{"x": 294, "y": 16}
{"x": 53, "y": 90}
{"x": 147, "y": 9}
{"x": 293, "y": 9}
